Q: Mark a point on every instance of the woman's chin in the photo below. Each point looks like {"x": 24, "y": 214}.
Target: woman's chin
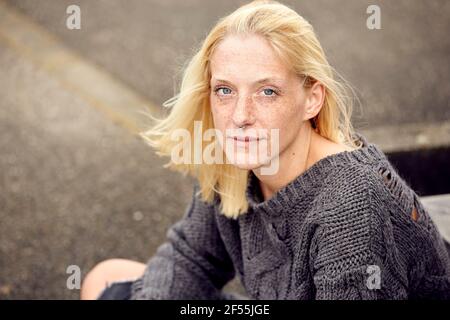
{"x": 249, "y": 164}
{"x": 243, "y": 161}
{"x": 246, "y": 166}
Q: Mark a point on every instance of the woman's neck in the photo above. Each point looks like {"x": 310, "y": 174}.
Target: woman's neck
{"x": 297, "y": 158}
{"x": 293, "y": 161}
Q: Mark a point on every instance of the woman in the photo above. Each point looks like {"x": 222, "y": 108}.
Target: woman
{"x": 317, "y": 213}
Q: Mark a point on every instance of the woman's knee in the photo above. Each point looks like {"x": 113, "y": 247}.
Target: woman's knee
{"x": 109, "y": 271}
{"x": 95, "y": 279}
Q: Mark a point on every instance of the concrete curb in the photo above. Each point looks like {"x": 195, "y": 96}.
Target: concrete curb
{"x": 409, "y": 137}
{"x": 439, "y": 209}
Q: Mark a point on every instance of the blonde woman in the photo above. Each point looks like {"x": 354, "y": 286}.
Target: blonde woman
{"x": 321, "y": 214}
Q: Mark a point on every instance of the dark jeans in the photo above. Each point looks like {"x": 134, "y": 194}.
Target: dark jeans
{"x": 120, "y": 290}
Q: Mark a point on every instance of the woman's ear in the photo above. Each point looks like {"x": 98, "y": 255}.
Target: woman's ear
{"x": 314, "y": 100}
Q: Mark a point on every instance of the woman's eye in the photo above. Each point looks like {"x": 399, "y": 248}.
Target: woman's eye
{"x": 225, "y": 91}
{"x": 269, "y": 92}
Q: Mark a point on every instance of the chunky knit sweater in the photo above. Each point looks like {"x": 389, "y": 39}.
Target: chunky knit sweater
{"x": 343, "y": 229}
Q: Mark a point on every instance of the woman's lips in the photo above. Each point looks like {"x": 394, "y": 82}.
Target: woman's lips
{"x": 244, "y": 141}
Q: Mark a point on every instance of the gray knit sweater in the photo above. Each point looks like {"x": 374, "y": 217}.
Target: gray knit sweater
{"x": 341, "y": 230}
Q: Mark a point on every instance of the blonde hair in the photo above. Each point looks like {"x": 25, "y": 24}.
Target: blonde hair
{"x": 293, "y": 38}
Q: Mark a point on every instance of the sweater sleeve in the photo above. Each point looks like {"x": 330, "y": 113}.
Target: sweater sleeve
{"x": 192, "y": 263}
{"x": 355, "y": 255}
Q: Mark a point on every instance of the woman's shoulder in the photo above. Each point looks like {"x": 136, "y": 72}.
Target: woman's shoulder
{"x": 365, "y": 178}
{"x": 374, "y": 196}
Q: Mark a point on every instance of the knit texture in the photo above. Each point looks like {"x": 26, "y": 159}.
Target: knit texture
{"x": 342, "y": 229}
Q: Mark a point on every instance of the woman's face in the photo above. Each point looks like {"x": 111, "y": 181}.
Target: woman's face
{"x": 252, "y": 87}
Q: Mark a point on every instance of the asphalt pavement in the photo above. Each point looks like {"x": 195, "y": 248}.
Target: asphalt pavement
{"x": 78, "y": 186}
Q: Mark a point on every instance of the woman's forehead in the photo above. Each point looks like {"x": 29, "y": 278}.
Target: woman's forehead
{"x": 249, "y": 55}
{"x": 250, "y": 48}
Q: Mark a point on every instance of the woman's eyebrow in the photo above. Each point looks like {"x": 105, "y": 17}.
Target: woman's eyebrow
{"x": 261, "y": 81}
{"x": 270, "y": 79}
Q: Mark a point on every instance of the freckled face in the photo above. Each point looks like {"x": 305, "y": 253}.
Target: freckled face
{"x": 251, "y": 86}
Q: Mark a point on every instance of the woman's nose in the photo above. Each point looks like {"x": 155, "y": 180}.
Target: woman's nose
{"x": 243, "y": 111}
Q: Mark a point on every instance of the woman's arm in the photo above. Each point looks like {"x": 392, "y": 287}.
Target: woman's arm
{"x": 357, "y": 257}
{"x": 193, "y": 262}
